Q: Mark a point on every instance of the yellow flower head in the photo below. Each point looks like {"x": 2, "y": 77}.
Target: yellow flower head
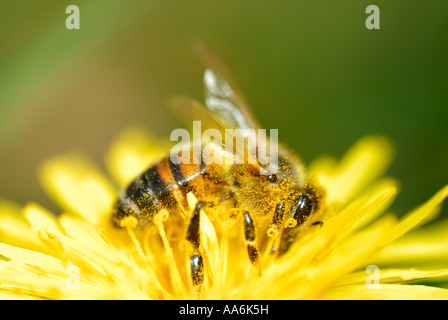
{"x": 358, "y": 253}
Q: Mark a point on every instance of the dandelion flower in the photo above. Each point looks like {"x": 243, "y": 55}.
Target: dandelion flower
{"x": 80, "y": 255}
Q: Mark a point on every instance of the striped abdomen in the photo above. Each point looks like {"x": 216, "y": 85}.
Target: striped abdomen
{"x": 165, "y": 186}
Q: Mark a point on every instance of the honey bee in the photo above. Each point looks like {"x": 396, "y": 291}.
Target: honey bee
{"x": 268, "y": 210}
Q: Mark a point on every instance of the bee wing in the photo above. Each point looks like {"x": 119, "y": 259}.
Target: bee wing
{"x": 228, "y": 106}
{"x": 225, "y": 108}
{"x": 223, "y": 101}
{"x": 189, "y": 110}
{"x": 222, "y": 97}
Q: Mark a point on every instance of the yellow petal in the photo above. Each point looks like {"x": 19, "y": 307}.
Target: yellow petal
{"x": 347, "y": 257}
{"x": 425, "y": 247}
{"x": 132, "y": 152}
{"x": 362, "y": 164}
{"x": 40, "y": 219}
{"x": 210, "y": 243}
{"x": 22, "y": 281}
{"x": 31, "y": 257}
{"x": 392, "y": 276}
{"x": 360, "y": 211}
{"x": 78, "y": 186}
{"x": 417, "y": 216}
{"x": 387, "y": 292}
{"x": 14, "y": 229}
{"x": 90, "y": 244}
{"x": 12, "y": 296}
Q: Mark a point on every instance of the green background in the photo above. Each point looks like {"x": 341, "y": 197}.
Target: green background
{"x": 309, "y": 68}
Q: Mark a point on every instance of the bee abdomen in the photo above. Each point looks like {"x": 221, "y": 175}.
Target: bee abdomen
{"x": 161, "y": 186}
{"x": 164, "y": 185}
{"x": 138, "y": 200}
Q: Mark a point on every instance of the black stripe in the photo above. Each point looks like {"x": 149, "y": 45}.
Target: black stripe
{"x": 161, "y": 189}
{"x": 180, "y": 179}
{"x": 155, "y": 182}
{"x": 143, "y": 196}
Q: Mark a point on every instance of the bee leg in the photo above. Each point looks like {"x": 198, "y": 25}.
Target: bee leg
{"x": 287, "y": 239}
{"x": 318, "y": 223}
{"x": 290, "y": 234}
{"x": 277, "y": 220}
{"x": 274, "y": 230}
{"x": 249, "y": 236}
{"x": 197, "y": 270}
{"x": 194, "y": 237}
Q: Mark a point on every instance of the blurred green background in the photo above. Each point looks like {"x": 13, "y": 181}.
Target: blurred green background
{"x": 309, "y": 68}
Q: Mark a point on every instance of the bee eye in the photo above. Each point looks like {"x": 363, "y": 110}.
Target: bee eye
{"x": 304, "y": 207}
{"x": 272, "y": 177}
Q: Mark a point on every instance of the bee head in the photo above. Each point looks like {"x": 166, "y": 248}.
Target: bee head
{"x": 288, "y": 174}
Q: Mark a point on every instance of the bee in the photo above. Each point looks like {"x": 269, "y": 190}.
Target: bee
{"x": 268, "y": 211}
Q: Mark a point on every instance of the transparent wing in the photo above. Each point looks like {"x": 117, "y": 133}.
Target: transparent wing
{"x": 225, "y": 104}
{"x": 222, "y": 97}
{"x": 189, "y": 110}
{"x": 225, "y": 110}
